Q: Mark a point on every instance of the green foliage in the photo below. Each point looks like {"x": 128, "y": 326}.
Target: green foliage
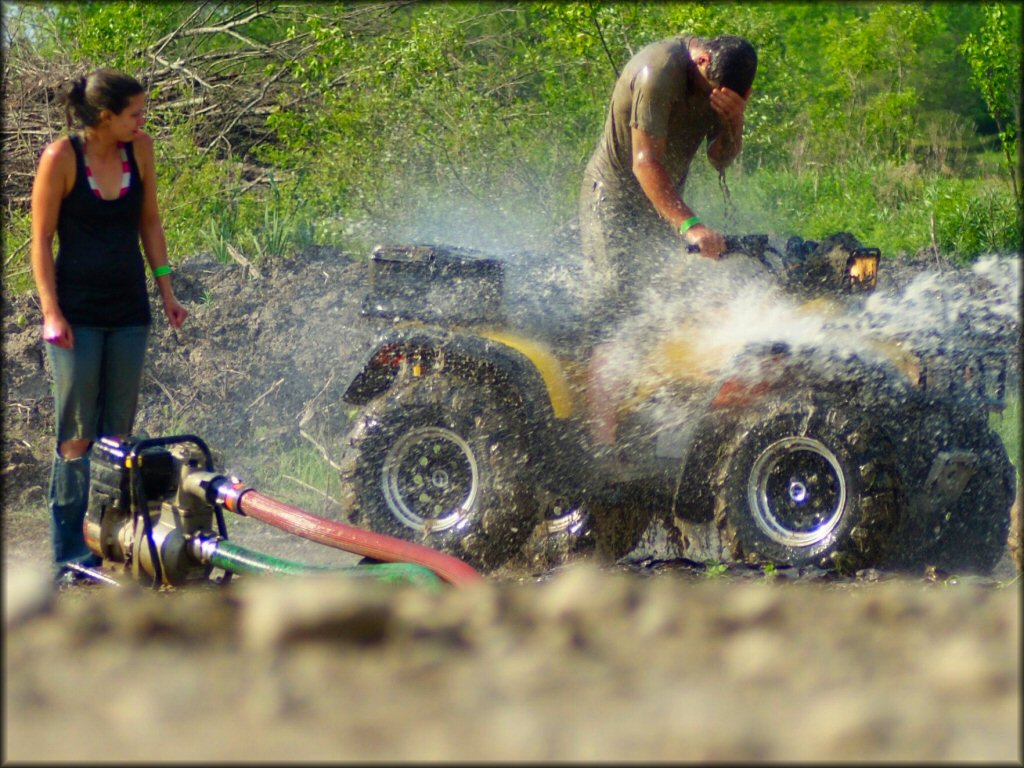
{"x": 198, "y": 196}
{"x": 1008, "y": 425}
{"x": 301, "y": 477}
{"x": 102, "y": 33}
{"x": 867, "y": 117}
{"x": 896, "y": 207}
{"x": 972, "y": 219}
{"x": 204, "y": 209}
{"x": 869, "y": 108}
{"x": 281, "y": 223}
{"x": 217, "y": 231}
{"x": 444, "y": 108}
{"x": 713, "y": 569}
{"x": 17, "y": 272}
{"x": 994, "y": 57}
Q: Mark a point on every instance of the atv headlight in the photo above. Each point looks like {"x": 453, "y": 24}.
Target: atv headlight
{"x": 862, "y": 269}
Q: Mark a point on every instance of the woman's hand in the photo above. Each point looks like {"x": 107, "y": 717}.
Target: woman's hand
{"x": 57, "y": 331}
{"x": 176, "y": 313}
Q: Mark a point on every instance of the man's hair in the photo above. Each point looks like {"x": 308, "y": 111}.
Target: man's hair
{"x": 733, "y": 62}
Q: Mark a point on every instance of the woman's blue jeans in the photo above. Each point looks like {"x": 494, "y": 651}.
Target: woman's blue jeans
{"x": 96, "y": 390}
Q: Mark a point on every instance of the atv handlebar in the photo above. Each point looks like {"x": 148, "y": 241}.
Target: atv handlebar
{"x": 810, "y": 264}
{"x": 752, "y": 245}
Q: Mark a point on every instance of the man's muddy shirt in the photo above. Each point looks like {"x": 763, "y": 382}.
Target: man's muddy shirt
{"x": 655, "y": 93}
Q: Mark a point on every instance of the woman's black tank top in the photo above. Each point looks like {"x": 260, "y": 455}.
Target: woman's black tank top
{"x": 101, "y": 276}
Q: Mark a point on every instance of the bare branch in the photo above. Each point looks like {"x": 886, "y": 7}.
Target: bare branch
{"x": 209, "y": 72}
{"x": 227, "y": 26}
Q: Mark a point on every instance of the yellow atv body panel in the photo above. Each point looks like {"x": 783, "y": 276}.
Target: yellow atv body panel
{"x": 547, "y": 364}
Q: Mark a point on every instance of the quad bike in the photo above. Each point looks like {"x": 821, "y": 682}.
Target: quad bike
{"x": 473, "y": 432}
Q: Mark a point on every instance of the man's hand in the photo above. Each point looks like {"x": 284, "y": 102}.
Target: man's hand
{"x": 730, "y": 106}
{"x": 710, "y": 242}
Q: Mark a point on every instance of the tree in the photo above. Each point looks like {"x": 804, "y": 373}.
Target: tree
{"x": 994, "y": 56}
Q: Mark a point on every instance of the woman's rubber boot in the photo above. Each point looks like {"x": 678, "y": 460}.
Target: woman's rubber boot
{"x": 69, "y": 499}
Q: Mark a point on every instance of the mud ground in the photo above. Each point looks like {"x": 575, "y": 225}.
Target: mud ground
{"x": 672, "y": 663}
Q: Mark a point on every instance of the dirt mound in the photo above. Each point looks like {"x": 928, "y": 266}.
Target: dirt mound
{"x": 262, "y": 359}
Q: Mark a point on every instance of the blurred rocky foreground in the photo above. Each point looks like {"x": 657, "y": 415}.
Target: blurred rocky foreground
{"x": 586, "y": 665}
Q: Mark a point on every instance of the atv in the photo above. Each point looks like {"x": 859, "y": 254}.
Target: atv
{"x": 838, "y": 448}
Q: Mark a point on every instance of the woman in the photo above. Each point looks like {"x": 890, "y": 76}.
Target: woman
{"x": 96, "y": 189}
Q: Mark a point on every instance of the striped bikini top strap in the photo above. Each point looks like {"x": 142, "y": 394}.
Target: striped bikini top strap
{"x": 126, "y": 172}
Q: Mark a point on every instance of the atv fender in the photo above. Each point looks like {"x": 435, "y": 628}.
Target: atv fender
{"x": 524, "y": 369}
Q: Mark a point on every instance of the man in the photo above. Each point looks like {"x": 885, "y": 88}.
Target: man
{"x": 671, "y": 97}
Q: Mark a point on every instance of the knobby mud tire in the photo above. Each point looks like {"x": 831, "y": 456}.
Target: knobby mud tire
{"x": 792, "y": 455}
{"x": 971, "y": 533}
{"x": 442, "y": 462}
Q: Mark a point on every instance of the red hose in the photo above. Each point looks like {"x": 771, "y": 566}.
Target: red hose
{"x": 352, "y": 539}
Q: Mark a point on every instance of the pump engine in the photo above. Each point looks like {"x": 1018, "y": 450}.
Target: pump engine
{"x": 142, "y": 516}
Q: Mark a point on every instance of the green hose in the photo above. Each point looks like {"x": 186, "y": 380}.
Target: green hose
{"x": 236, "y": 559}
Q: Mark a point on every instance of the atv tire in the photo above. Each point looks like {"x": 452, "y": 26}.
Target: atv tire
{"x": 441, "y": 462}
{"x": 970, "y": 531}
{"x": 807, "y": 483}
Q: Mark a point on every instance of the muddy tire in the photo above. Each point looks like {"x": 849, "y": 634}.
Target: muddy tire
{"x": 564, "y": 532}
{"x": 441, "y": 462}
{"x": 969, "y": 532}
{"x": 803, "y": 483}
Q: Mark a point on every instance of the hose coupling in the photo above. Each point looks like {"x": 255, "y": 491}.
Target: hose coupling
{"x": 216, "y": 489}
{"x": 228, "y": 491}
{"x": 203, "y": 546}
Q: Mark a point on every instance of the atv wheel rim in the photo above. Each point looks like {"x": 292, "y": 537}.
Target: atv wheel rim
{"x": 797, "y": 492}
{"x": 430, "y": 479}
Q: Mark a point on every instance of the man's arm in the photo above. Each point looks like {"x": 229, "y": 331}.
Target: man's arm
{"x": 656, "y": 183}
{"x": 648, "y": 150}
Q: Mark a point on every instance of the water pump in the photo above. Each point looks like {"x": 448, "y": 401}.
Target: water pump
{"x": 141, "y": 516}
{"x": 156, "y": 512}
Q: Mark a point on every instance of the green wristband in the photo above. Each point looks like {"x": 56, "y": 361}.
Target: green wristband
{"x": 161, "y": 271}
{"x": 689, "y": 224}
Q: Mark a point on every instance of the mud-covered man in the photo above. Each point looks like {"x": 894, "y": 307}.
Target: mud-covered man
{"x": 672, "y": 97}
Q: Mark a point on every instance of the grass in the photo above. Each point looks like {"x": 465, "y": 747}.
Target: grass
{"x": 899, "y": 209}
{"x": 1008, "y": 426}
{"x": 713, "y": 569}
{"x": 17, "y": 270}
{"x": 301, "y": 477}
